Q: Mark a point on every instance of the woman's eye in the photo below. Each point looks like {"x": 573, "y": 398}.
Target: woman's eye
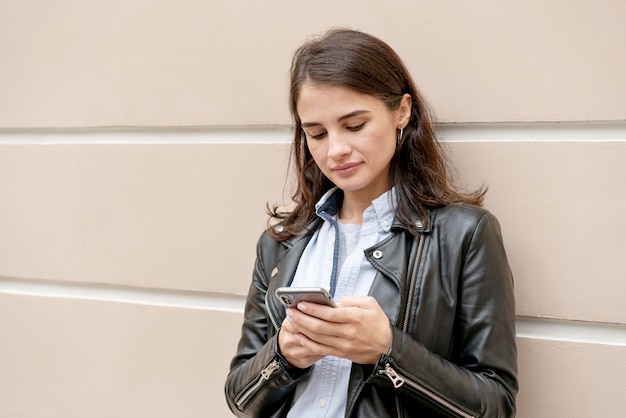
{"x": 317, "y": 136}
{"x": 356, "y": 127}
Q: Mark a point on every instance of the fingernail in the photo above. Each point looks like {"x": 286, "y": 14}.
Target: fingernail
{"x": 301, "y": 307}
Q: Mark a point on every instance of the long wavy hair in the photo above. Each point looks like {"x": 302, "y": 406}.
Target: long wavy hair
{"x": 367, "y": 65}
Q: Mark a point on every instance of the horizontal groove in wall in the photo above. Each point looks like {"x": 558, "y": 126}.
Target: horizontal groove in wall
{"x": 531, "y": 132}
{"x": 554, "y": 329}
{"x": 527, "y": 327}
{"x": 449, "y": 132}
{"x": 123, "y": 294}
{"x": 167, "y": 135}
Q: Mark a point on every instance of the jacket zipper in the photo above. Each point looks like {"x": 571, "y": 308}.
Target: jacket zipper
{"x": 398, "y": 381}
{"x": 409, "y": 302}
{"x": 265, "y": 375}
{"x": 269, "y": 313}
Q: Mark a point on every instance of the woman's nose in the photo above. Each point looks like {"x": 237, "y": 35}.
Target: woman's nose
{"x": 338, "y": 146}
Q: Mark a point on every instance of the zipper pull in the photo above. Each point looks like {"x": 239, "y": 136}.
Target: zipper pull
{"x": 271, "y": 368}
{"x": 396, "y": 380}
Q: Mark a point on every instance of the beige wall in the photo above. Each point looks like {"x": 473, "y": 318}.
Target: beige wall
{"x": 120, "y": 63}
{"x": 140, "y": 142}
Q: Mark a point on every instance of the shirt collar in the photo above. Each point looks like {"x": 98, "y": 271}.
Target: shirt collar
{"x": 329, "y": 203}
{"x": 383, "y": 207}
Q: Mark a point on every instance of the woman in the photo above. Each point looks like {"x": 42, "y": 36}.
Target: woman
{"x": 425, "y": 323}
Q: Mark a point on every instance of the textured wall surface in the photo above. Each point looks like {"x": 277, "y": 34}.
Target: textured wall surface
{"x": 140, "y": 143}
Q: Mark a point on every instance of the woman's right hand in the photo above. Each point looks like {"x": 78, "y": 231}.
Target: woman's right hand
{"x": 291, "y": 349}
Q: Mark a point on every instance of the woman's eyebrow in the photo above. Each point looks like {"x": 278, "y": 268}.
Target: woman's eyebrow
{"x": 352, "y": 114}
{"x": 342, "y": 118}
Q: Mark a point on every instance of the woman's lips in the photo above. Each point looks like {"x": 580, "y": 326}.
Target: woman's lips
{"x": 347, "y": 169}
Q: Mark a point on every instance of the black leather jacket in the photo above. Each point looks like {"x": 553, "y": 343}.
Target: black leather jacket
{"x": 448, "y": 294}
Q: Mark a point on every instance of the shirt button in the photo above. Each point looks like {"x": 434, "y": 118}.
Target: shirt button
{"x": 377, "y": 254}
{"x": 322, "y": 403}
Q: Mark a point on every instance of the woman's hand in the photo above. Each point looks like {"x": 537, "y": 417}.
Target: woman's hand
{"x": 357, "y": 330}
{"x": 291, "y": 349}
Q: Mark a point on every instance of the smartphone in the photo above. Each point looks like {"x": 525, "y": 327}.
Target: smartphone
{"x": 290, "y": 296}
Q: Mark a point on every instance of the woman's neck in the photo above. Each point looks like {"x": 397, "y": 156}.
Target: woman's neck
{"x": 353, "y": 206}
{"x": 351, "y": 215}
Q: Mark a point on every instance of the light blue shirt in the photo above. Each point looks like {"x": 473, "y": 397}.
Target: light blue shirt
{"x": 335, "y": 259}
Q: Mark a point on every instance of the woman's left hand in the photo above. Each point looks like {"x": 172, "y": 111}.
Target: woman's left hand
{"x": 357, "y": 329}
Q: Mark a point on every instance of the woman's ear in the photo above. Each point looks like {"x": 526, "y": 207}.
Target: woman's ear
{"x": 404, "y": 111}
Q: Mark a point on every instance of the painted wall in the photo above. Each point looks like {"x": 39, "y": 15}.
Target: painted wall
{"x": 141, "y": 141}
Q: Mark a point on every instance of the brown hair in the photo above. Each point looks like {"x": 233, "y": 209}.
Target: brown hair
{"x": 367, "y": 65}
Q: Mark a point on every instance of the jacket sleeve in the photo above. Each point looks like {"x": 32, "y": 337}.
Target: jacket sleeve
{"x": 258, "y": 384}
{"x": 479, "y": 379}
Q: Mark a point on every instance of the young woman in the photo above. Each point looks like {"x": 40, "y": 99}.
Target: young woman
{"x": 425, "y": 323}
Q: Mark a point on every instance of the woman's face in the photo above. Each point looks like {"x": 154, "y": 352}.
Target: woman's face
{"x": 351, "y": 136}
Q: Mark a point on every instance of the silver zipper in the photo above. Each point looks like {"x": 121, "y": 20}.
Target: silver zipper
{"x": 271, "y": 368}
{"x": 397, "y": 380}
{"x": 409, "y": 302}
{"x": 265, "y": 375}
{"x": 269, "y": 313}
{"x": 398, "y": 408}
